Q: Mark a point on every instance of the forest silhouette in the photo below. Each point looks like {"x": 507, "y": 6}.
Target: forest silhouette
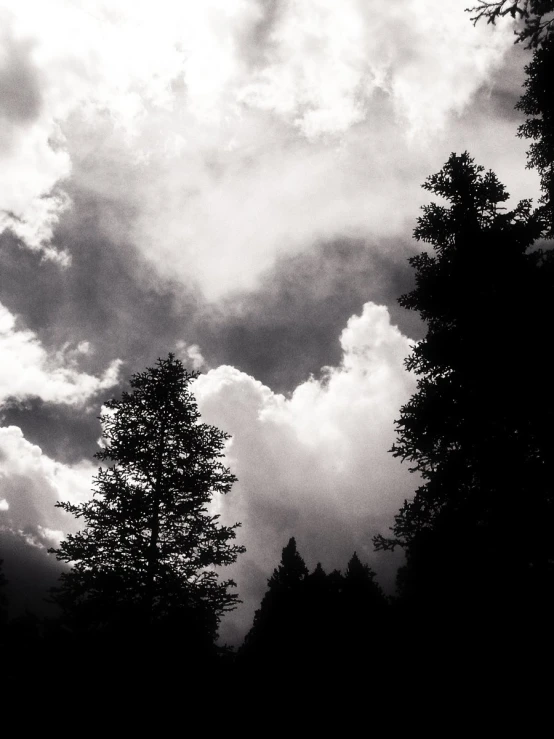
{"x": 142, "y": 581}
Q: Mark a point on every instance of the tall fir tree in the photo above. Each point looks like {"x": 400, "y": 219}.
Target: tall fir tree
{"x": 538, "y": 105}
{"x": 478, "y": 431}
{"x": 363, "y": 595}
{"x": 278, "y": 628}
{"x": 146, "y": 561}
{"x": 3, "y": 598}
{"x": 535, "y": 27}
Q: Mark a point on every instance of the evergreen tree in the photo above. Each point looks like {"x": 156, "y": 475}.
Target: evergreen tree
{"x": 362, "y": 611}
{"x": 361, "y": 590}
{"x": 535, "y": 19}
{"x": 3, "y": 598}
{"x": 312, "y": 620}
{"x": 145, "y": 560}
{"x": 279, "y": 625}
{"x": 536, "y": 26}
{"x": 538, "y": 104}
{"x": 479, "y": 428}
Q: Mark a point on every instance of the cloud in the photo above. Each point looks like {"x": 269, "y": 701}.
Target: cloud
{"x": 33, "y": 159}
{"x": 30, "y": 485}
{"x": 28, "y": 370}
{"x": 190, "y": 354}
{"x": 324, "y": 62}
{"x": 316, "y": 465}
{"x": 222, "y": 134}
{"x": 20, "y": 98}
{"x": 288, "y": 328}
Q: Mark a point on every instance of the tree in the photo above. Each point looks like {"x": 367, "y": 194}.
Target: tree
{"x": 535, "y": 18}
{"x": 536, "y": 26}
{"x": 538, "y": 104}
{"x": 291, "y": 571}
{"x": 278, "y": 628}
{"x": 314, "y": 619}
{"x": 362, "y": 593}
{"x": 147, "y": 556}
{"x": 3, "y": 598}
{"x": 361, "y": 613}
{"x": 478, "y": 430}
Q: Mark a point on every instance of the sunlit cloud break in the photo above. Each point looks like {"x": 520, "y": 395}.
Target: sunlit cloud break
{"x": 228, "y": 132}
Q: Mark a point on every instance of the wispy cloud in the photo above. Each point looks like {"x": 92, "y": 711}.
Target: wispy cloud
{"x": 29, "y": 371}
{"x": 221, "y": 134}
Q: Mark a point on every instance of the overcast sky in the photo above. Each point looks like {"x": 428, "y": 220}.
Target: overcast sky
{"x": 235, "y": 181}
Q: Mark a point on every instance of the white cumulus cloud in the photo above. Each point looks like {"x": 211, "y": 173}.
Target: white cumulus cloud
{"x": 28, "y": 370}
{"x": 227, "y": 132}
{"x": 315, "y": 465}
{"x": 30, "y": 485}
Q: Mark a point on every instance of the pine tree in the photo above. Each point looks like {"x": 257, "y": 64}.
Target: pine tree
{"x": 290, "y": 572}
{"x": 478, "y": 430}
{"x": 538, "y": 104}
{"x": 3, "y": 598}
{"x": 536, "y": 27}
{"x": 362, "y": 592}
{"x": 362, "y": 611}
{"x": 279, "y": 625}
{"x": 534, "y": 17}
{"x": 146, "y": 560}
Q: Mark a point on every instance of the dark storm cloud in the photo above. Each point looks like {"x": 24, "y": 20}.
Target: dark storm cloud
{"x": 283, "y": 332}
{"x": 30, "y": 572}
{"x": 100, "y": 298}
{"x": 20, "y": 97}
{"x": 62, "y": 432}
{"x": 290, "y": 327}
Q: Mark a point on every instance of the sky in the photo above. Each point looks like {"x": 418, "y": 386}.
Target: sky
{"x": 237, "y": 182}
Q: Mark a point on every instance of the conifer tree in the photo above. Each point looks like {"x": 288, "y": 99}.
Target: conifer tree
{"x": 279, "y": 623}
{"x": 538, "y": 104}
{"x": 146, "y": 558}
{"x": 478, "y": 430}
{"x": 535, "y": 19}
{"x": 361, "y": 589}
{"x": 3, "y": 598}
{"x": 536, "y": 27}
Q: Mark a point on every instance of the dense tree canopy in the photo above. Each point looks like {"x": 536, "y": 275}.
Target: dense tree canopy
{"x": 538, "y": 105}
{"x": 536, "y": 26}
{"x": 279, "y": 623}
{"x": 317, "y": 618}
{"x": 3, "y": 599}
{"x": 148, "y": 553}
{"x": 479, "y": 428}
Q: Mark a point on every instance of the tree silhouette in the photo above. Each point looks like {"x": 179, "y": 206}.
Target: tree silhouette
{"x": 536, "y": 26}
{"x": 146, "y": 557}
{"x": 3, "y": 598}
{"x": 538, "y": 104}
{"x": 535, "y": 17}
{"x": 278, "y": 629}
{"x": 362, "y": 593}
{"x": 315, "y": 620}
{"x": 478, "y": 430}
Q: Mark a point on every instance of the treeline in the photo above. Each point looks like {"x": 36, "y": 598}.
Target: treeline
{"x": 478, "y": 536}
{"x": 314, "y": 618}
